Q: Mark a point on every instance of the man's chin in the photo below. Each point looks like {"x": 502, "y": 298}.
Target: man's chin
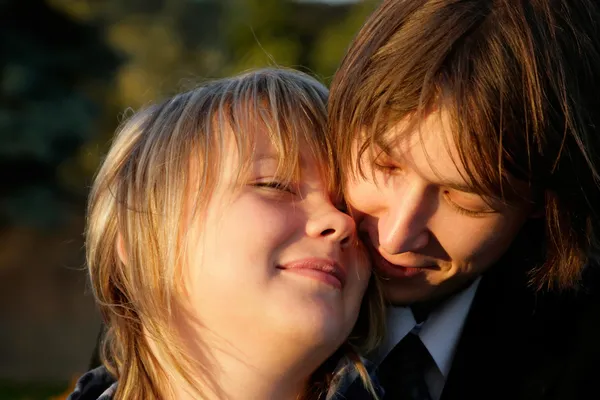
{"x": 419, "y": 290}
{"x": 404, "y": 294}
{"x": 406, "y": 302}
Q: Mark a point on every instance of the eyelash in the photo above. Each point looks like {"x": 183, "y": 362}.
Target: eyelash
{"x": 385, "y": 168}
{"x": 464, "y": 211}
{"x": 274, "y": 185}
{"x": 461, "y": 210}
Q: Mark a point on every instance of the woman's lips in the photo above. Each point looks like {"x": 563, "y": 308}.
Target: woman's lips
{"x": 322, "y": 269}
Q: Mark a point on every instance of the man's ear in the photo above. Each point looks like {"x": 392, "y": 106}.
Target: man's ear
{"x": 121, "y": 250}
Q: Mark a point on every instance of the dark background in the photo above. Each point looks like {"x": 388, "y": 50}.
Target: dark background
{"x": 69, "y": 71}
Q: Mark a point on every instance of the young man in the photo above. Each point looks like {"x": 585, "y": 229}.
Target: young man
{"x": 468, "y": 133}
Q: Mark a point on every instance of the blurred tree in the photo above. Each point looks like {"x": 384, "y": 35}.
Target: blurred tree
{"x": 259, "y": 33}
{"x": 61, "y": 92}
{"x": 172, "y": 45}
{"x": 285, "y": 33}
{"x": 335, "y": 38}
{"x": 50, "y": 66}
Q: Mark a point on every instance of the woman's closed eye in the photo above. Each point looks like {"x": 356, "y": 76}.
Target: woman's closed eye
{"x": 275, "y": 186}
{"x": 383, "y": 162}
{"x": 386, "y": 168}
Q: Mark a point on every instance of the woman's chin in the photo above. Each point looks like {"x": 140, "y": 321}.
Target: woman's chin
{"x": 316, "y": 330}
{"x": 315, "y": 319}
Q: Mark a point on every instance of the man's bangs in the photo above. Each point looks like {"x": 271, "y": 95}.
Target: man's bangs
{"x": 493, "y": 165}
{"x": 484, "y": 164}
{"x": 379, "y": 138}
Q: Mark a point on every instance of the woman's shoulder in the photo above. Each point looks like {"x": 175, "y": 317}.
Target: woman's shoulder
{"x": 97, "y": 384}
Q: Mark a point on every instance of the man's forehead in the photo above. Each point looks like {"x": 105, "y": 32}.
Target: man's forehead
{"x": 429, "y": 148}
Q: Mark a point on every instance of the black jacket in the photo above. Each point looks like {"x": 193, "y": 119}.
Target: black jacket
{"x": 96, "y": 384}
{"x": 519, "y": 344}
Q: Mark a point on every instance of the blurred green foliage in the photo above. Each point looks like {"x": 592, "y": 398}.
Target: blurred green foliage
{"x": 24, "y": 391}
{"x": 70, "y": 68}
{"x": 50, "y": 64}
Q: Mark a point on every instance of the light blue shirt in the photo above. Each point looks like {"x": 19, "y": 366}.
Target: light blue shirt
{"x": 440, "y": 334}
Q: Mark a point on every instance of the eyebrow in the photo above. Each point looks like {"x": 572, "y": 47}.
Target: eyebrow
{"x": 272, "y": 157}
{"x": 461, "y": 187}
{"x": 261, "y": 157}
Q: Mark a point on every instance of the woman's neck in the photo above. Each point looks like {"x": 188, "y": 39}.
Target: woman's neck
{"x": 240, "y": 380}
{"x": 248, "y": 367}
{"x": 250, "y": 376}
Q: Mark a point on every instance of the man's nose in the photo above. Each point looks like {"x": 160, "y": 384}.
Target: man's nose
{"x": 403, "y": 227}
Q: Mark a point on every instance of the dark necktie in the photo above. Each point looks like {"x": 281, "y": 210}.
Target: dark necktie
{"x": 402, "y": 372}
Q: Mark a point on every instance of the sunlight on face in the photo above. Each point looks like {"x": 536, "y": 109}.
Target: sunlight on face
{"x": 272, "y": 267}
{"x": 429, "y": 233}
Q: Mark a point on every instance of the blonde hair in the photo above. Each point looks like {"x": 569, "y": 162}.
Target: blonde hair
{"x": 137, "y": 203}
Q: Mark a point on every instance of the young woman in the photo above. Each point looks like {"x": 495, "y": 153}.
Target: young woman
{"x": 219, "y": 253}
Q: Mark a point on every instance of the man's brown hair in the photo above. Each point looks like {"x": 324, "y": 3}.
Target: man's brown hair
{"x": 521, "y": 82}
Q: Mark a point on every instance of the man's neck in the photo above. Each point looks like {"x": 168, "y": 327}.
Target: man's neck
{"x": 423, "y": 309}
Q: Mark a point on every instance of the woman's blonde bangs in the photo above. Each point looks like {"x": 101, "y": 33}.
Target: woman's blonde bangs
{"x": 291, "y": 110}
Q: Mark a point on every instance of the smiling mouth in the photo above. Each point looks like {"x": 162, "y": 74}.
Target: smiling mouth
{"x": 323, "y": 270}
{"x": 392, "y": 270}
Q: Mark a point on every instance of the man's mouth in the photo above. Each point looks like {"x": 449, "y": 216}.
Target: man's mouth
{"x": 389, "y": 269}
